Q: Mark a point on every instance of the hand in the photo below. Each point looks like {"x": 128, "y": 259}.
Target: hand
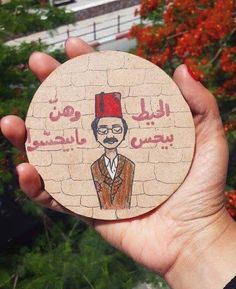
{"x": 195, "y": 212}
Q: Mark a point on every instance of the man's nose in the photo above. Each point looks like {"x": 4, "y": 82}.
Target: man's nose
{"x": 110, "y": 133}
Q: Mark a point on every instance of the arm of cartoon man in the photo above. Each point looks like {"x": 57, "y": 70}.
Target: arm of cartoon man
{"x": 190, "y": 239}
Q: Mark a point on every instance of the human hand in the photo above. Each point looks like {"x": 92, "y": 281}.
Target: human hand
{"x": 194, "y": 214}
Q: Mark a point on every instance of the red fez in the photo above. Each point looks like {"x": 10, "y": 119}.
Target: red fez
{"x": 108, "y": 104}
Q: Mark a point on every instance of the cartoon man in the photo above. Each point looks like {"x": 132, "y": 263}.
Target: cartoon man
{"x": 112, "y": 173}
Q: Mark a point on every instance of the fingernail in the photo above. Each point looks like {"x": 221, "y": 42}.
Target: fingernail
{"x": 69, "y": 39}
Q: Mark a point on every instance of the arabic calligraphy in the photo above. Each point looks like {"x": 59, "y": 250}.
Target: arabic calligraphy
{"x": 58, "y": 140}
{"x": 68, "y": 111}
{"x": 138, "y": 143}
{"x": 164, "y": 110}
{"x": 47, "y": 133}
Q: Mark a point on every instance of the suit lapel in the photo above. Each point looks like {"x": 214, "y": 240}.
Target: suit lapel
{"x": 118, "y": 179}
{"x": 120, "y": 165}
{"x": 116, "y": 183}
{"x": 102, "y": 165}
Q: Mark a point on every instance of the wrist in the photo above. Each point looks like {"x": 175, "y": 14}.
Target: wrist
{"x": 208, "y": 259}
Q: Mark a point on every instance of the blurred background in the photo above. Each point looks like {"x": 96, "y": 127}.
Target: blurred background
{"x": 42, "y": 249}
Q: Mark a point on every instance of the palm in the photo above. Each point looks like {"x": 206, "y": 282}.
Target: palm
{"x": 167, "y": 228}
{"x": 199, "y": 197}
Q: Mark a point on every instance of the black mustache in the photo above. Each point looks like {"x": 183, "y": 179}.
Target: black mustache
{"x": 110, "y": 139}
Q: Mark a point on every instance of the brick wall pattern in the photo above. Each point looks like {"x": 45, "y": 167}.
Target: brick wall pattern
{"x": 65, "y": 168}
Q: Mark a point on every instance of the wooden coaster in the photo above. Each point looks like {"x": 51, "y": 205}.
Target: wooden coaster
{"x": 110, "y": 134}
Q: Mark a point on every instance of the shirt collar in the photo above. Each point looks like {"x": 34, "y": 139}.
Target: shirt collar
{"x": 108, "y": 161}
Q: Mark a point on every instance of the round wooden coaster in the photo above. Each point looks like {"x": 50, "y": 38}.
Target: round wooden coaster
{"x": 110, "y": 134}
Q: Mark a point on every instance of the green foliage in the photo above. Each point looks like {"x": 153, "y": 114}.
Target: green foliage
{"x": 21, "y": 17}
{"x": 68, "y": 257}
{"x": 17, "y": 83}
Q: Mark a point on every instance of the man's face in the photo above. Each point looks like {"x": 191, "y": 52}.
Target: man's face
{"x": 110, "y": 132}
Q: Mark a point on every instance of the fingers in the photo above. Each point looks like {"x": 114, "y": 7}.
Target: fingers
{"x": 200, "y": 100}
{"x": 42, "y": 65}
{"x": 30, "y": 183}
{"x": 13, "y": 128}
{"x": 76, "y": 46}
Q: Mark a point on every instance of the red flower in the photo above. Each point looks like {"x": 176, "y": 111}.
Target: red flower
{"x": 147, "y": 6}
{"x": 162, "y": 57}
{"x": 191, "y": 32}
{"x": 228, "y": 59}
{"x": 194, "y": 70}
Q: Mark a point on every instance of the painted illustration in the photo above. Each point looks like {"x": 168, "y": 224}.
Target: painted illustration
{"x": 112, "y": 173}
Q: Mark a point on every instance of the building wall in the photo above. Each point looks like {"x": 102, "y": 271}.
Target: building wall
{"x": 106, "y": 8}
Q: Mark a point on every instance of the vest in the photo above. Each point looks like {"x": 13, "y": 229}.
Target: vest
{"x": 113, "y": 193}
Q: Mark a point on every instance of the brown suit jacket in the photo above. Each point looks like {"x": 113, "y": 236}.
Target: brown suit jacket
{"x": 113, "y": 193}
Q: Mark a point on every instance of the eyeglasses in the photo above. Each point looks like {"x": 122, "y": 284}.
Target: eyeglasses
{"x": 117, "y": 129}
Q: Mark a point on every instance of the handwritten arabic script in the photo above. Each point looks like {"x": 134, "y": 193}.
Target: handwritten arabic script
{"x": 74, "y": 115}
{"x": 158, "y": 138}
{"x": 57, "y": 140}
{"x": 163, "y": 110}
{"x": 67, "y": 112}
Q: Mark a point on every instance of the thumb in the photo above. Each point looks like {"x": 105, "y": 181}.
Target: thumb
{"x": 201, "y": 101}
{"x": 211, "y": 148}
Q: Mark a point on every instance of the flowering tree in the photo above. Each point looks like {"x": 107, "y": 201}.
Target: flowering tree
{"x": 201, "y": 34}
